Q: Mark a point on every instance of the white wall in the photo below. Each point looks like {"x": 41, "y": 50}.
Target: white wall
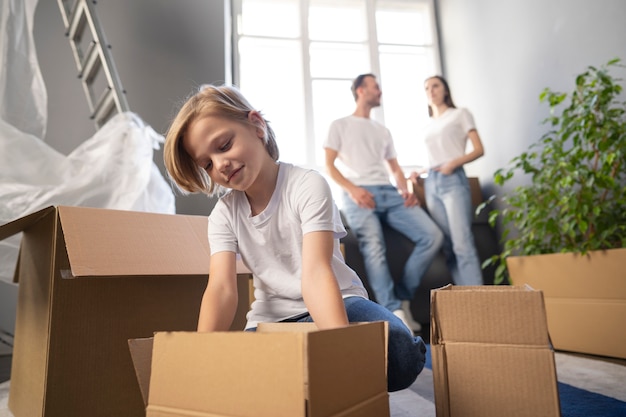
{"x": 162, "y": 48}
{"x": 498, "y": 55}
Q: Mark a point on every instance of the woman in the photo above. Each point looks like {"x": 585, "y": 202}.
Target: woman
{"x": 446, "y": 187}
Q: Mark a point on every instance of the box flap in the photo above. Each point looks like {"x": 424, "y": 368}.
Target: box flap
{"x": 227, "y": 374}
{"x": 141, "y": 354}
{"x": 33, "y": 313}
{"x": 19, "y": 225}
{"x": 104, "y": 242}
{"x": 338, "y": 383}
{"x": 298, "y": 327}
{"x": 488, "y": 314}
{"x": 347, "y": 367}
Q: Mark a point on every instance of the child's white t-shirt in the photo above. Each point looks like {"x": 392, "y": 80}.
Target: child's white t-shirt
{"x": 445, "y": 137}
{"x": 270, "y": 243}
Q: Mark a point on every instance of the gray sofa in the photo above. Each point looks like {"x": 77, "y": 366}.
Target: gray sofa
{"x": 438, "y": 275}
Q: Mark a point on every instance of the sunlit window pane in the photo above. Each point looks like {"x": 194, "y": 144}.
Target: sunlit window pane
{"x": 338, "y": 60}
{"x": 271, "y": 78}
{"x": 403, "y": 23}
{"x": 332, "y": 99}
{"x": 301, "y": 102}
{"x": 274, "y": 18}
{"x": 332, "y": 20}
{"x": 403, "y": 71}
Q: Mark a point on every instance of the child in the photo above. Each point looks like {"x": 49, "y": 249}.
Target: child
{"x": 283, "y": 222}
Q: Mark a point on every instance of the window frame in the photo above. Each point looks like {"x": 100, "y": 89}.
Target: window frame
{"x": 374, "y": 47}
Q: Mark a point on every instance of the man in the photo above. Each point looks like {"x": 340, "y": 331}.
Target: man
{"x": 366, "y": 150}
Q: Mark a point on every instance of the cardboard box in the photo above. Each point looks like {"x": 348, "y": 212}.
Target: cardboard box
{"x": 90, "y": 279}
{"x": 585, "y": 298}
{"x": 282, "y": 370}
{"x": 491, "y": 353}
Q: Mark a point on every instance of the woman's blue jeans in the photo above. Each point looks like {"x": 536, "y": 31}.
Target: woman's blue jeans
{"x": 412, "y": 222}
{"x": 406, "y": 354}
{"x": 450, "y": 205}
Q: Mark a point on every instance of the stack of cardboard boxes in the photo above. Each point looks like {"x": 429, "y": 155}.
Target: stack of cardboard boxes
{"x": 491, "y": 353}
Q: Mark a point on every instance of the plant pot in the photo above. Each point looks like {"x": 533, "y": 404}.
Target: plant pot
{"x": 585, "y": 297}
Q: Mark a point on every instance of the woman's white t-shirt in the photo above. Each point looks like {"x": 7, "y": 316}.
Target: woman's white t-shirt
{"x": 446, "y": 137}
{"x": 270, "y": 243}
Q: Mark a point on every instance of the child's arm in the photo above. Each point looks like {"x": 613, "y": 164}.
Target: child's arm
{"x": 219, "y": 302}
{"x": 320, "y": 289}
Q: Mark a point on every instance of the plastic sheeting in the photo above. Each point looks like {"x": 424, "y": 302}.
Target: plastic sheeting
{"x": 23, "y": 97}
{"x": 113, "y": 169}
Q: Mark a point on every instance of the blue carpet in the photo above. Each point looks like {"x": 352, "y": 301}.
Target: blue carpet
{"x": 577, "y": 402}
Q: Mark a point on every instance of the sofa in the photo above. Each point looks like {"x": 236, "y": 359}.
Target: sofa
{"x": 399, "y": 247}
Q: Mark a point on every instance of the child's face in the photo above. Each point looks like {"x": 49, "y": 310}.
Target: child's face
{"x": 232, "y": 153}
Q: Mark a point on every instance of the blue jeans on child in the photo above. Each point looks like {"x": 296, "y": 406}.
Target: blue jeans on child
{"x": 406, "y": 354}
{"x": 450, "y": 205}
{"x": 412, "y": 222}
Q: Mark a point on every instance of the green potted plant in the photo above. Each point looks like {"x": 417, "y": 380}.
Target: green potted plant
{"x": 572, "y": 206}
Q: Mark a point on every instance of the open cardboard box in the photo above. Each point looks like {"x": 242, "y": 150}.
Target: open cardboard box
{"x": 90, "y": 279}
{"x": 491, "y": 353}
{"x": 281, "y": 370}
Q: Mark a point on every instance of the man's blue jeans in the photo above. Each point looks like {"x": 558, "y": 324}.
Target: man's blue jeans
{"x": 450, "y": 205}
{"x": 406, "y": 354}
{"x": 412, "y": 222}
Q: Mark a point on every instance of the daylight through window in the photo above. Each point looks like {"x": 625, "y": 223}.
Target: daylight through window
{"x": 295, "y": 60}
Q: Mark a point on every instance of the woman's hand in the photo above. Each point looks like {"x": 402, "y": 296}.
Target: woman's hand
{"x": 446, "y": 168}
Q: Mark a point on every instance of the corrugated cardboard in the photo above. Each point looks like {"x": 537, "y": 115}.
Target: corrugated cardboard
{"x": 90, "y": 279}
{"x": 282, "y": 370}
{"x": 585, "y": 298}
{"x": 491, "y": 353}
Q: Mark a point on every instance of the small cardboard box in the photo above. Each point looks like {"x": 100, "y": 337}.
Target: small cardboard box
{"x": 90, "y": 279}
{"x": 491, "y": 353}
{"x": 282, "y": 370}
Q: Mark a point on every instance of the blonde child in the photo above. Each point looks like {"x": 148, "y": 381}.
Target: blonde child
{"x": 283, "y": 222}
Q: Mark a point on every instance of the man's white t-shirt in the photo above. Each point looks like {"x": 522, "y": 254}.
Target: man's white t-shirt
{"x": 270, "y": 243}
{"x": 445, "y": 137}
{"x": 363, "y": 145}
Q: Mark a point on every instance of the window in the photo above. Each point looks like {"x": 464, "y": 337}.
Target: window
{"x": 295, "y": 61}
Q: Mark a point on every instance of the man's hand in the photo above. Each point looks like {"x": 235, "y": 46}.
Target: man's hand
{"x": 362, "y": 197}
{"x": 410, "y": 199}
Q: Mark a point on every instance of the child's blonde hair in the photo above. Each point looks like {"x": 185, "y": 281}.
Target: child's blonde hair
{"x": 221, "y": 101}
